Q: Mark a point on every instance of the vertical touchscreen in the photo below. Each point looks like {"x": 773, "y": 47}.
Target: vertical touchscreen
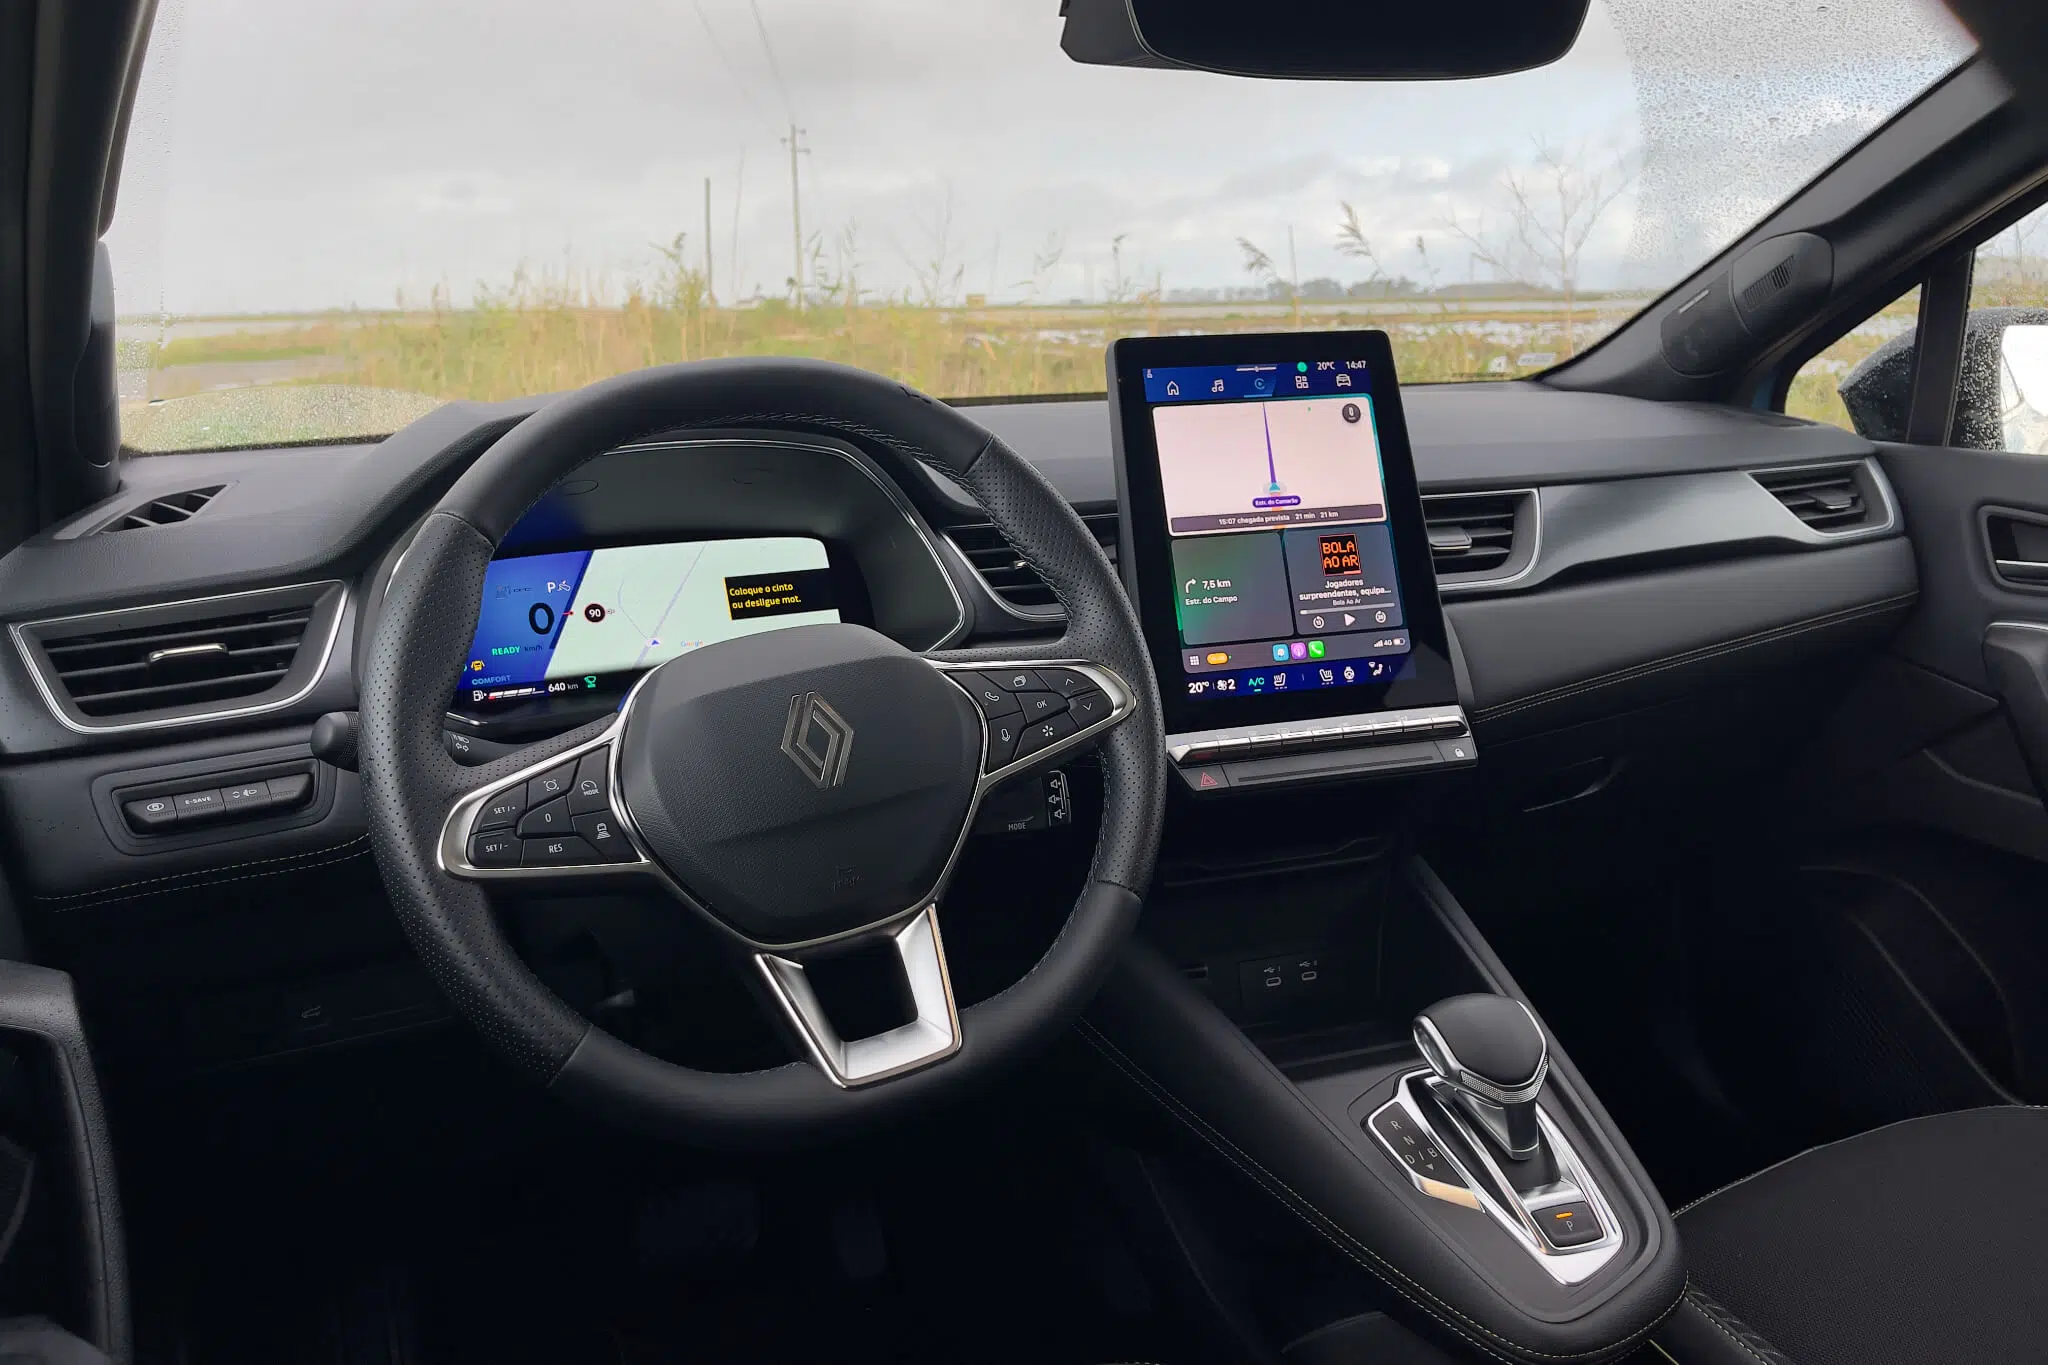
{"x": 1276, "y": 510}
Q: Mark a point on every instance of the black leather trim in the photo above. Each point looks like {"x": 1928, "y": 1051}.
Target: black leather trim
{"x": 39, "y": 1002}
{"x": 1549, "y": 658}
{"x": 1176, "y": 1047}
{"x": 1702, "y": 1332}
{"x": 417, "y": 651}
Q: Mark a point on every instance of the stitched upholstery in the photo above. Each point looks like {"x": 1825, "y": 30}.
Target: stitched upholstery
{"x": 1919, "y": 1242}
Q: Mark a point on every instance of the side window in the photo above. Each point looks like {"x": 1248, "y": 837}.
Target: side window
{"x": 1856, "y": 382}
{"x": 2002, "y": 395}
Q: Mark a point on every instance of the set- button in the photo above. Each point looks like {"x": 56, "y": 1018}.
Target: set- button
{"x": 1029, "y": 709}
{"x": 562, "y": 818}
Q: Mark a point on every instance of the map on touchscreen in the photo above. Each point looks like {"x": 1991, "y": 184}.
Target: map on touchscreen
{"x": 1265, "y": 465}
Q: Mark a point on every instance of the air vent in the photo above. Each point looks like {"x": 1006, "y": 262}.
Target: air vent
{"x": 1005, "y": 571}
{"x": 184, "y": 662}
{"x": 168, "y": 510}
{"x": 1832, "y": 499}
{"x": 1473, "y": 533}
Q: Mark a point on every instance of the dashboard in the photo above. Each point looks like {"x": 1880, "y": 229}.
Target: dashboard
{"x": 1649, "y": 559}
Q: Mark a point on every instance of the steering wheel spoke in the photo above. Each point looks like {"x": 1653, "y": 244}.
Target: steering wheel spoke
{"x": 553, "y": 820}
{"x": 931, "y": 1035}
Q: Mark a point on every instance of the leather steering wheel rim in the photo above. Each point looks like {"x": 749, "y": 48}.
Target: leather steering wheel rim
{"x": 420, "y": 643}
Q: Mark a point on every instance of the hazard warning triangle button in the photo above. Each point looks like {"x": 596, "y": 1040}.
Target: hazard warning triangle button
{"x": 1211, "y": 779}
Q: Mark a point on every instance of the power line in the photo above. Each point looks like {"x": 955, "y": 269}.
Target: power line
{"x": 731, "y": 72}
{"x": 774, "y": 67}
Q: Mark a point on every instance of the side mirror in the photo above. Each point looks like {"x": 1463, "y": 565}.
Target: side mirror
{"x": 2001, "y": 396}
{"x": 2014, "y": 413}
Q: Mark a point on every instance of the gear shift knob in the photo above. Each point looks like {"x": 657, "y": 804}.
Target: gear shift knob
{"x": 1490, "y": 1050}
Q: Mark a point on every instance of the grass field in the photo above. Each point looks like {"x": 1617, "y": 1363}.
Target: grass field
{"x": 226, "y": 381}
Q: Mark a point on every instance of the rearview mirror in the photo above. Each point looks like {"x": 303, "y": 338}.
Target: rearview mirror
{"x": 1324, "y": 39}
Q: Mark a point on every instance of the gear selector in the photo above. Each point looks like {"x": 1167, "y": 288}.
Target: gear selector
{"x": 1490, "y": 1051}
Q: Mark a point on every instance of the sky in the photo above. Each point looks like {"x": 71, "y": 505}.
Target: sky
{"x": 316, "y": 154}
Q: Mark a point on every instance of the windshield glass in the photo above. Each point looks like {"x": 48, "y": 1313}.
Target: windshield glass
{"x": 336, "y": 215}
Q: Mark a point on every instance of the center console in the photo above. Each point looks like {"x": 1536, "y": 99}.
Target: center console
{"x": 1308, "y": 999}
{"x": 1273, "y": 541}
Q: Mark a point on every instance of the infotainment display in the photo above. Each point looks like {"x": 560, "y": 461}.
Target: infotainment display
{"x": 593, "y": 620}
{"x": 1274, "y": 535}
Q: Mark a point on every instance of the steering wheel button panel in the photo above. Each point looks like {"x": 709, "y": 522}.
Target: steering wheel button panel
{"x": 989, "y": 696}
{"x": 500, "y": 849}
{"x": 1087, "y": 708}
{"x": 1045, "y": 733}
{"x": 549, "y": 818}
{"x": 600, "y": 830}
{"x": 566, "y": 851}
{"x": 593, "y": 787}
{"x": 1041, "y": 705}
{"x": 1065, "y": 681}
{"x": 502, "y": 810}
{"x": 1002, "y": 741}
{"x": 551, "y": 784}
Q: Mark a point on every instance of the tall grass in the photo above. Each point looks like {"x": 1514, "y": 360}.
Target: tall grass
{"x": 541, "y": 334}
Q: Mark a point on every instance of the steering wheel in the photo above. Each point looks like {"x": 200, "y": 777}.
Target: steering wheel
{"x": 805, "y": 790}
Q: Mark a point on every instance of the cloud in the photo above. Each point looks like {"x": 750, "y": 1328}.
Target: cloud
{"x": 337, "y": 152}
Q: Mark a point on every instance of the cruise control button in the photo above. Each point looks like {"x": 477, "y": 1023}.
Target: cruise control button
{"x": 1037, "y": 736}
{"x": 497, "y": 849}
{"x": 1002, "y": 742}
{"x": 150, "y": 814}
{"x": 1064, "y": 681}
{"x": 593, "y": 789}
{"x": 503, "y": 809}
{"x": 1568, "y": 1225}
{"x": 600, "y": 829}
{"x": 206, "y": 805}
{"x": 550, "y": 784}
{"x": 1090, "y": 707}
{"x": 991, "y": 698}
{"x": 245, "y": 797}
{"x": 549, "y": 818}
{"x": 1041, "y": 705}
{"x": 567, "y": 851}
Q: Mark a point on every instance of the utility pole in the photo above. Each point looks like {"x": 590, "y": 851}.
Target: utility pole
{"x": 796, "y": 216}
{"x": 710, "y": 290}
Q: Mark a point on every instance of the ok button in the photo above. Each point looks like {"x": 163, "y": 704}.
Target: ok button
{"x": 1041, "y": 705}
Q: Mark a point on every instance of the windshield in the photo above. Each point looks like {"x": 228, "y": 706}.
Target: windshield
{"x": 336, "y": 216}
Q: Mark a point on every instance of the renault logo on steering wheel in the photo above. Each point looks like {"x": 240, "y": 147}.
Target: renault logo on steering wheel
{"x": 817, "y": 739}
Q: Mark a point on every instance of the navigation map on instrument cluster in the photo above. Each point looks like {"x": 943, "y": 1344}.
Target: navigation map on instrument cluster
{"x": 638, "y": 605}
{"x": 1261, "y": 466}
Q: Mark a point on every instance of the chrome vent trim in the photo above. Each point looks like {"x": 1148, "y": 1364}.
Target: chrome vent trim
{"x": 183, "y": 663}
{"x": 1837, "y": 498}
{"x": 1484, "y": 539}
